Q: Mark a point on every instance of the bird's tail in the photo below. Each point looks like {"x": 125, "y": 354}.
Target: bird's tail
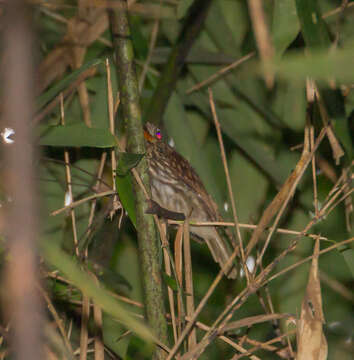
{"x": 219, "y": 248}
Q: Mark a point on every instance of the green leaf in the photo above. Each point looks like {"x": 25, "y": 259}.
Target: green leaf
{"x": 348, "y": 255}
{"x": 290, "y": 104}
{"x": 248, "y": 201}
{"x": 285, "y": 25}
{"x": 77, "y": 135}
{"x": 320, "y": 65}
{"x": 127, "y": 161}
{"x": 182, "y": 8}
{"x": 170, "y": 281}
{"x": 256, "y": 148}
{"x": 223, "y": 38}
{"x": 111, "y": 279}
{"x": 126, "y": 195}
{"x": 63, "y": 84}
{"x": 313, "y": 26}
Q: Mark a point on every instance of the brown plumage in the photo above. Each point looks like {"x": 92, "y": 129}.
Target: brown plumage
{"x": 176, "y": 186}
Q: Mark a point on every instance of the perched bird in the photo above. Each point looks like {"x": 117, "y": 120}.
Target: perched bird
{"x": 175, "y": 186}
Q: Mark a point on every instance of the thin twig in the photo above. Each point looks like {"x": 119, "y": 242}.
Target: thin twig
{"x": 263, "y": 345}
{"x": 229, "y": 186}
{"x": 111, "y": 112}
{"x": 201, "y": 305}
{"x": 192, "y": 337}
{"x": 336, "y": 286}
{"x": 224, "y": 338}
{"x": 94, "y": 201}
{"x": 283, "y": 197}
{"x": 219, "y": 74}
{"x": 314, "y": 177}
{"x": 154, "y": 32}
{"x": 56, "y": 318}
{"x": 178, "y": 245}
{"x": 82, "y": 201}
{"x": 291, "y": 267}
{"x": 68, "y": 180}
{"x": 169, "y": 273}
{"x": 222, "y": 320}
{"x": 247, "y": 226}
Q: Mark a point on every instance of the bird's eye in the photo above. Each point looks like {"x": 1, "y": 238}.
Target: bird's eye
{"x": 158, "y": 134}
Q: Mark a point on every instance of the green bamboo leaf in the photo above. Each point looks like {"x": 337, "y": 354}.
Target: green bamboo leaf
{"x": 348, "y": 255}
{"x": 320, "y": 65}
{"x": 182, "y": 8}
{"x": 170, "y": 281}
{"x": 63, "y": 84}
{"x": 285, "y": 25}
{"x": 127, "y": 161}
{"x": 77, "y": 135}
{"x": 313, "y": 27}
{"x": 126, "y": 195}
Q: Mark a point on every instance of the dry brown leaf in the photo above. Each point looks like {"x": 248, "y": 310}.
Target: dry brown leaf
{"x": 311, "y": 342}
{"x": 288, "y": 187}
{"x": 86, "y": 31}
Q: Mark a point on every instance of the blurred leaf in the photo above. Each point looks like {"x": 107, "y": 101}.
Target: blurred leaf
{"x": 56, "y": 257}
{"x": 170, "y": 281}
{"x": 236, "y": 18}
{"x": 140, "y": 44}
{"x": 348, "y": 255}
{"x": 316, "y": 36}
{"x": 290, "y": 104}
{"x": 99, "y": 102}
{"x": 83, "y": 174}
{"x": 115, "y": 336}
{"x": 77, "y": 135}
{"x": 182, "y": 8}
{"x": 285, "y": 25}
{"x": 313, "y": 27}
{"x": 223, "y": 37}
{"x": 52, "y": 192}
{"x": 245, "y": 177}
{"x": 321, "y": 65}
{"x": 126, "y": 195}
{"x": 63, "y": 84}
{"x": 109, "y": 278}
{"x": 127, "y": 263}
{"x": 259, "y": 151}
{"x": 127, "y": 161}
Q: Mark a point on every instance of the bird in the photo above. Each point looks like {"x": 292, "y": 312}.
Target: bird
{"x": 176, "y": 187}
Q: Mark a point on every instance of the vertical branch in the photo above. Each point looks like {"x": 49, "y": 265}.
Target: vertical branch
{"x": 147, "y": 235}
{"x": 192, "y": 337}
{"x": 18, "y": 174}
{"x": 163, "y": 234}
